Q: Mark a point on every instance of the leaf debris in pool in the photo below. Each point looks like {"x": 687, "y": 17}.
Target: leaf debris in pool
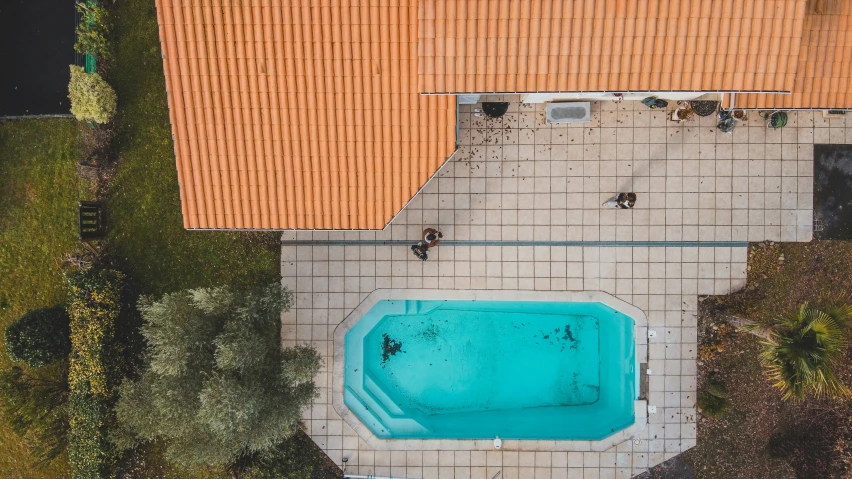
{"x": 430, "y": 333}
{"x": 568, "y": 336}
{"x": 389, "y": 347}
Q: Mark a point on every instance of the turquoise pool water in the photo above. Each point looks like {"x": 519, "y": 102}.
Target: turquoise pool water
{"x": 479, "y": 369}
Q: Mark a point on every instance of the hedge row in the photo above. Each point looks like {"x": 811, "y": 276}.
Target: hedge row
{"x": 95, "y": 302}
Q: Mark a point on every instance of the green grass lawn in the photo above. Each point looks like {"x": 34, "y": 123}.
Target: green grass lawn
{"x": 146, "y": 228}
{"x": 146, "y": 238}
{"x": 40, "y": 190}
{"x": 146, "y": 234}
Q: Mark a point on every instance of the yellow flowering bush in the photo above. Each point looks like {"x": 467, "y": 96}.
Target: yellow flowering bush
{"x": 92, "y": 99}
{"x": 95, "y": 303}
{"x": 93, "y": 30}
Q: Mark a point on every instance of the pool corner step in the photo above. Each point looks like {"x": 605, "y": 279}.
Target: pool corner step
{"x": 374, "y": 390}
{"x": 394, "y": 426}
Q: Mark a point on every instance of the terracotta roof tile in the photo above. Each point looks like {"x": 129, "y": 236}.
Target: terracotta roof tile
{"x": 295, "y": 114}
{"x": 612, "y": 45}
{"x": 822, "y": 78}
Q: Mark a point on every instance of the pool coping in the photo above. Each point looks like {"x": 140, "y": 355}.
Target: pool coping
{"x": 640, "y": 334}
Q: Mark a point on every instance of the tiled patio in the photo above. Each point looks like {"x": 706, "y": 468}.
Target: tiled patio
{"x": 330, "y": 281}
{"x": 519, "y": 179}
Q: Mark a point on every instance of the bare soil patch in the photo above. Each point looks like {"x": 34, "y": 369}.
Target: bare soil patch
{"x": 761, "y": 435}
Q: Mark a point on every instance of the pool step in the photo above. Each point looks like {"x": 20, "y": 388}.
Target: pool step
{"x": 381, "y": 397}
{"x": 416, "y": 306}
{"x": 365, "y": 413}
{"x": 386, "y": 424}
{"x": 393, "y": 410}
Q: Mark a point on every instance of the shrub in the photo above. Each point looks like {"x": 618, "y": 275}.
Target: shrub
{"x": 713, "y": 397}
{"x": 39, "y": 337}
{"x": 717, "y": 389}
{"x": 94, "y": 307}
{"x": 90, "y": 452}
{"x": 712, "y": 406}
{"x": 95, "y": 304}
{"x": 217, "y": 386}
{"x": 93, "y": 30}
{"x": 92, "y": 99}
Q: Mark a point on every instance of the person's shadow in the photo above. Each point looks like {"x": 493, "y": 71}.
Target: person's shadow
{"x": 627, "y": 183}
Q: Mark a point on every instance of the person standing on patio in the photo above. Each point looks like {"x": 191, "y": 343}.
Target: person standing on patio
{"x": 431, "y": 238}
{"x": 421, "y": 251}
{"x": 622, "y": 200}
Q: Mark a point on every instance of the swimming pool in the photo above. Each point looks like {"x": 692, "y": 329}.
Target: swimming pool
{"x": 476, "y": 369}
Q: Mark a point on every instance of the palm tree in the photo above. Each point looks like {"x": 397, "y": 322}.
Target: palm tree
{"x": 801, "y": 350}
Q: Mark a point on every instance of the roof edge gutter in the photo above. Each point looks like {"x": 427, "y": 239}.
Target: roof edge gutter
{"x": 556, "y": 92}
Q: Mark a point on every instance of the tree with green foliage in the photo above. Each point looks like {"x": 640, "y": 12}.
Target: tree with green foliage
{"x": 39, "y": 337}
{"x": 801, "y": 351}
{"x": 93, "y": 30}
{"x": 217, "y": 385}
{"x": 92, "y": 99}
{"x": 35, "y": 401}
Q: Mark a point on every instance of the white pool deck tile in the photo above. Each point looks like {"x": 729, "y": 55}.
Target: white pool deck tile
{"x": 662, "y": 282}
{"x": 519, "y": 179}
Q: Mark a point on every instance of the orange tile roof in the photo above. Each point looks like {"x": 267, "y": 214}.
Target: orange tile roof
{"x": 470, "y": 46}
{"x": 297, "y": 114}
{"x": 824, "y": 74}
